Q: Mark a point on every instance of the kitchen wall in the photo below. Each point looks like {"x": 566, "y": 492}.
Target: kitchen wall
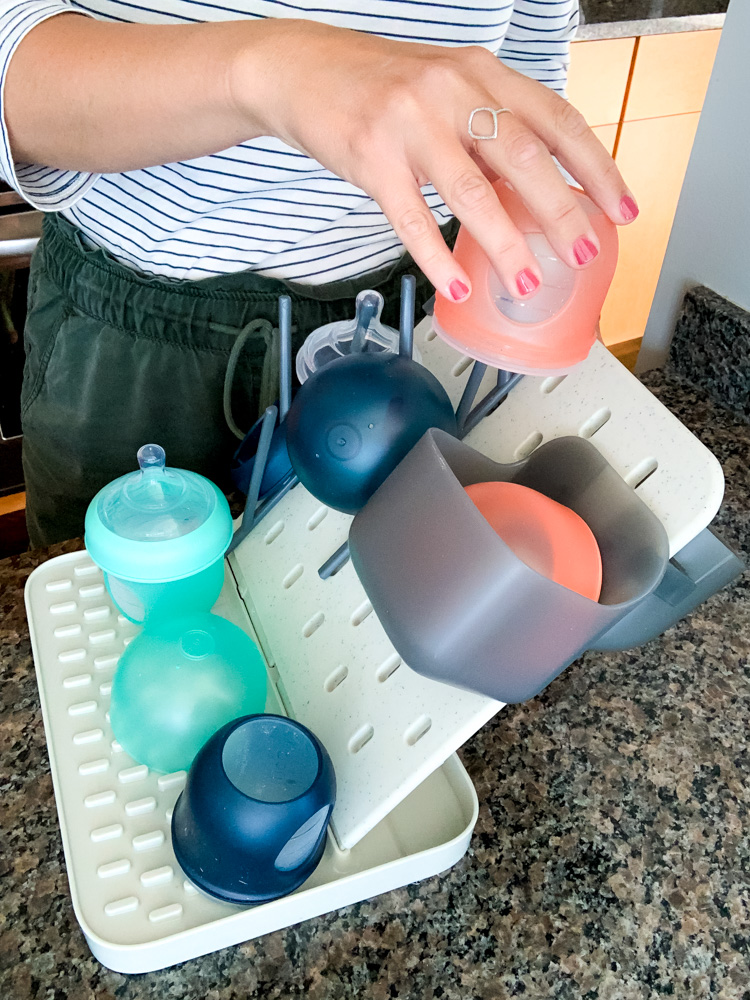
{"x": 710, "y": 240}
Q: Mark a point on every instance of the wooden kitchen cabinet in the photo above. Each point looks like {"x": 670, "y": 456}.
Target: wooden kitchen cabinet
{"x": 13, "y": 535}
{"x": 671, "y": 74}
{"x": 660, "y": 90}
{"x": 653, "y": 155}
{"x": 607, "y": 135}
{"x": 598, "y": 78}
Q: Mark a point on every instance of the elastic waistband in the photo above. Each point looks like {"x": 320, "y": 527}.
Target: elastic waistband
{"x": 99, "y": 286}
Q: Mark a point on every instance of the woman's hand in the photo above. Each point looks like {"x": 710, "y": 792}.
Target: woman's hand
{"x": 393, "y": 116}
{"x": 83, "y": 94}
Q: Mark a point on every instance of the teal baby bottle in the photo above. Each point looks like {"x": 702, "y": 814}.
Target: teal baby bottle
{"x": 178, "y": 682}
{"x": 159, "y": 535}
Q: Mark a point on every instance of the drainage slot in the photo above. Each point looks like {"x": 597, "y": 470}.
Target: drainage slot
{"x": 273, "y": 533}
{"x": 334, "y": 679}
{"x": 460, "y": 366}
{"x": 595, "y": 423}
{"x": 292, "y": 576}
{"x": 550, "y": 384}
{"x": 314, "y": 624}
{"x": 419, "y": 728}
{"x": 362, "y": 737}
{"x": 320, "y": 515}
{"x": 644, "y": 470}
{"x": 526, "y": 447}
{"x": 362, "y": 612}
{"x": 388, "y": 668}
{"x": 430, "y": 335}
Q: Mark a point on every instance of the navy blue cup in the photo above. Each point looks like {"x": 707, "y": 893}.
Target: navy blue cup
{"x": 278, "y": 465}
{"x": 250, "y": 825}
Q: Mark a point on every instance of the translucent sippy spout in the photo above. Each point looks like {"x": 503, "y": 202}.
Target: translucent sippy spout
{"x": 153, "y": 488}
{"x": 368, "y": 307}
{"x": 152, "y": 458}
{"x": 365, "y": 333}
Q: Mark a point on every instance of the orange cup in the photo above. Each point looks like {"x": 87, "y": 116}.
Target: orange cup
{"x": 549, "y": 537}
{"x": 547, "y": 334}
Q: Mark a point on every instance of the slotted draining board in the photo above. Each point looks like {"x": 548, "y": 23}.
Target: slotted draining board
{"x": 386, "y": 727}
{"x": 675, "y": 475}
{"x": 134, "y": 904}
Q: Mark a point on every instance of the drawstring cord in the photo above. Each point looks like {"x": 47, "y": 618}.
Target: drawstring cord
{"x": 252, "y": 327}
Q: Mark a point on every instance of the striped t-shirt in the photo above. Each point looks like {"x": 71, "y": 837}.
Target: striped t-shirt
{"x": 262, "y": 205}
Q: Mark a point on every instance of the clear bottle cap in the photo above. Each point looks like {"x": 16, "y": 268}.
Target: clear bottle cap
{"x": 155, "y": 503}
{"x": 136, "y": 526}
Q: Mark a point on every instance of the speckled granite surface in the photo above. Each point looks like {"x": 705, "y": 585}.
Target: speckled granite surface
{"x": 611, "y": 858}
{"x": 598, "y": 30}
{"x": 711, "y": 347}
{"x": 631, "y": 18}
{"x": 596, "y": 11}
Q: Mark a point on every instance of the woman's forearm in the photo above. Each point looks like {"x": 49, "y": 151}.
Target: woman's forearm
{"x": 388, "y": 116}
{"x": 83, "y": 94}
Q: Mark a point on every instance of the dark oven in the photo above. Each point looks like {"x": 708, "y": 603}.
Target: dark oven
{"x": 20, "y": 228}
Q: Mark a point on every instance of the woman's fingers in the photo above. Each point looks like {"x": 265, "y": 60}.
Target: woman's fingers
{"x": 471, "y": 198}
{"x": 563, "y": 130}
{"x": 403, "y": 203}
{"x": 520, "y": 156}
{"x": 395, "y": 115}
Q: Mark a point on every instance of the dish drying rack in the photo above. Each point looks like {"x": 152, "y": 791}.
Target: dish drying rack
{"x": 405, "y": 808}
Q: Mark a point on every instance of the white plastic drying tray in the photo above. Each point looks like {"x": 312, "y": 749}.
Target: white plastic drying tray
{"x": 135, "y": 907}
{"x": 405, "y": 807}
{"x": 386, "y": 727}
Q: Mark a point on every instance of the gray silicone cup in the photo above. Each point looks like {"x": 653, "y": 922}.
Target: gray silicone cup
{"x": 457, "y": 603}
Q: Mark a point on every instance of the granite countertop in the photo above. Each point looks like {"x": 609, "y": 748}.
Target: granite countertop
{"x": 598, "y": 11}
{"x": 611, "y": 858}
{"x": 615, "y": 18}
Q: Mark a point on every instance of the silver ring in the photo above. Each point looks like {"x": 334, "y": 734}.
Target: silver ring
{"x": 492, "y": 111}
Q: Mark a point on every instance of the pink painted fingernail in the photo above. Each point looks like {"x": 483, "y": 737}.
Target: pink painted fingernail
{"x": 584, "y": 250}
{"x": 459, "y": 291}
{"x": 628, "y": 208}
{"x": 526, "y": 281}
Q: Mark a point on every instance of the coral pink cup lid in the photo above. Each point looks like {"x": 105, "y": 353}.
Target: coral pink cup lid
{"x": 547, "y": 334}
{"x": 550, "y": 538}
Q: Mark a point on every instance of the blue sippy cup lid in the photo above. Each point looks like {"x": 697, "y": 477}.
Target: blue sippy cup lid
{"x": 157, "y": 524}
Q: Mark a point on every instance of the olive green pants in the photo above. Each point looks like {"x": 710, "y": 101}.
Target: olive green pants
{"x": 115, "y": 359}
